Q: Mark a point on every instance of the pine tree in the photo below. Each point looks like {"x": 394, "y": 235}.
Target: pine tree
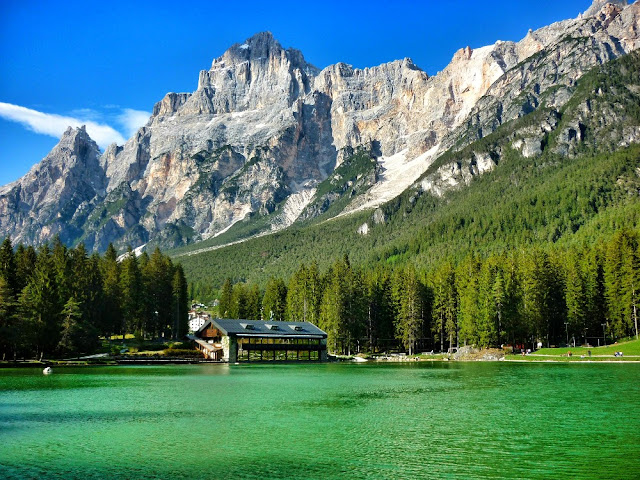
{"x": 226, "y": 293}
{"x": 575, "y": 295}
{"x": 72, "y": 328}
{"x": 622, "y": 280}
{"x": 112, "y": 294}
{"x": 39, "y": 304}
{"x": 9, "y": 326}
{"x": 62, "y": 270}
{"x": 299, "y": 296}
{"x": 594, "y": 291}
{"x": 8, "y": 265}
{"x": 410, "y": 309}
{"x": 254, "y": 303}
{"x": 25, "y": 266}
{"x": 499, "y": 300}
{"x": 335, "y": 307}
{"x": 487, "y": 315}
{"x": 380, "y": 312}
{"x": 180, "y": 303}
{"x": 157, "y": 274}
{"x": 274, "y": 302}
{"x": 131, "y": 290}
{"x": 468, "y": 276}
{"x": 239, "y": 302}
{"x": 445, "y": 304}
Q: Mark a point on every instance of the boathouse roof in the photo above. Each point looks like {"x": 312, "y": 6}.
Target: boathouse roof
{"x": 260, "y": 328}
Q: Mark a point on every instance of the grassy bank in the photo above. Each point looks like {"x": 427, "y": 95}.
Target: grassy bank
{"x": 630, "y": 351}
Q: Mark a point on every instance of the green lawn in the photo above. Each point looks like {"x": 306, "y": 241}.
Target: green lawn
{"x": 630, "y": 349}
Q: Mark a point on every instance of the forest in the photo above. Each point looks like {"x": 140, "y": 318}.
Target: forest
{"x": 60, "y": 302}
{"x": 586, "y": 294}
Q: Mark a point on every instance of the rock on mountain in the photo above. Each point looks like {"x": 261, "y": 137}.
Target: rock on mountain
{"x": 265, "y": 129}
{"x": 55, "y": 193}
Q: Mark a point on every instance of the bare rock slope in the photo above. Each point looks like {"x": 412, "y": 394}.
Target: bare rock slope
{"x": 265, "y": 129}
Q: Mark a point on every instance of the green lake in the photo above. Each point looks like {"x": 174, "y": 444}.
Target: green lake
{"x": 405, "y": 421}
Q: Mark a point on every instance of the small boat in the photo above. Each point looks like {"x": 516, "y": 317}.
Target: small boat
{"x": 47, "y": 371}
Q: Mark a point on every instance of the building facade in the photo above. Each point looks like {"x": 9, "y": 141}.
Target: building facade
{"x": 259, "y": 341}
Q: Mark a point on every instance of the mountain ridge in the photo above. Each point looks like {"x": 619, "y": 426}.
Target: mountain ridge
{"x": 264, "y": 128}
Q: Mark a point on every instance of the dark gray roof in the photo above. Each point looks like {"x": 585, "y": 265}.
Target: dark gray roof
{"x": 265, "y": 329}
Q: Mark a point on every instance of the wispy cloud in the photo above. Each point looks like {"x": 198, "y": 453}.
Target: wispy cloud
{"x": 55, "y": 125}
{"x": 132, "y": 120}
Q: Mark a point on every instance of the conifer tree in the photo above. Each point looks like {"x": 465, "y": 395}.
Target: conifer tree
{"x": 410, "y": 309}
{"x": 468, "y": 277}
{"x": 486, "y": 328}
{"x": 254, "y": 303}
{"x": 333, "y": 309}
{"x": 25, "y": 265}
{"x": 499, "y": 300}
{"x": 575, "y": 294}
{"x": 9, "y": 326}
{"x": 239, "y": 302}
{"x": 72, "y": 334}
{"x": 112, "y": 293}
{"x": 180, "y": 303}
{"x": 62, "y": 270}
{"x": 299, "y": 302}
{"x": 445, "y": 304}
{"x": 274, "y": 302}
{"x": 39, "y": 304}
{"x": 594, "y": 291}
{"x": 157, "y": 276}
{"x": 621, "y": 283}
{"x": 8, "y": 264}
{"x": 226, "y": 293}
{"x": 131, "y": 290}
{"x": 380, "y": 312}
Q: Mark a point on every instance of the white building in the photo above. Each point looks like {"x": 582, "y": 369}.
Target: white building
{"x": 197, "y": 320}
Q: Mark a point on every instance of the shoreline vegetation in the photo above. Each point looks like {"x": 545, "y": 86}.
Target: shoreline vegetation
{"x": 170, "y": 356}
{"x": 60, "y": 302}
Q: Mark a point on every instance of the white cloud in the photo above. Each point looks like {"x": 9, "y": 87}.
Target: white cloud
{"x": 132, "y": 120}
{"x": 55, "y": 125}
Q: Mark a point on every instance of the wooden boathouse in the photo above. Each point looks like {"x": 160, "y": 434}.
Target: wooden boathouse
{"x": 259, "y": 341}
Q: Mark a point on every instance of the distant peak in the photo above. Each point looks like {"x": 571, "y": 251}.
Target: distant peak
{"x": 260, "y": 47}
{"x": 262, "y": 44}
{"x": 76, "y": 136}
{"x": 261, "y": 38}
{"x": 597, "y": 5}
{"x": 75, "y": 131}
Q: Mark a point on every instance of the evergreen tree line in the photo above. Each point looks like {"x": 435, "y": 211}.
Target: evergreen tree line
{"x": 59, "y": 301}
{"x": 587, "y": 294}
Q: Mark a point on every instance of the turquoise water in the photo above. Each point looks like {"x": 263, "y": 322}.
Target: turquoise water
{"x": 426, "y": 420}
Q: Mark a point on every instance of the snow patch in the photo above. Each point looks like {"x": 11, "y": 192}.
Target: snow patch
{"x": 244, "y": 46}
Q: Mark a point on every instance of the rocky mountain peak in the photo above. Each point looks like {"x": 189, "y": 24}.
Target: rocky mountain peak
{"x": 262, "y": 45}
{"x": 78, "y": 141}
{"x": 265, "y": 128}
{"x": 262, "y": 48}
{"x": 599, "y": 5}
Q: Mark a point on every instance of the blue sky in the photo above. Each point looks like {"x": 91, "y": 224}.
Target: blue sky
{"x": 108, "y": 62}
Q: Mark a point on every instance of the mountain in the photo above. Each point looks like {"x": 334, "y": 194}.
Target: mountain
{"x": 268, "y": 140}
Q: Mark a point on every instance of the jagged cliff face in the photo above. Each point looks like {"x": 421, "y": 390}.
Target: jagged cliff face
{"x": 54, "y": 192}
{"x": 264, "y": 128}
